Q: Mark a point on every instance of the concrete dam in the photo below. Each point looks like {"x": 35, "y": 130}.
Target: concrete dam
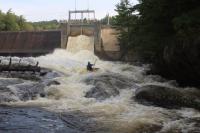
{"x": 75, "y": 35}
{"x": 29, "y": 43}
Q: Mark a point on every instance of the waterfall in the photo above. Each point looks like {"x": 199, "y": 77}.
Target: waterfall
{"x": 78, "y": 43}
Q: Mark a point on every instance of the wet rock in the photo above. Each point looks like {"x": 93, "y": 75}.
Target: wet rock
{"x": 108, "y": 85}
{"x": 6, "y": 95}
{"x": 23, "y": 86}
{"x": 53, "y": 83}
{"x": 21, "y": 92}
{"x": 147, "y": 128}
{"x": 4, "y": 82}
{"x": 188, "y": 125}
{"x": 100, "y": 93}
{"x": 28, "y": 91}
{"x": 51, "y": 75}
{"x": 31, "y": 76}
{"x": 21, "y": 75}
{"x": 43, "y": 95}
{"x": 43, "y": 72}
{"x": 166, "y": 97}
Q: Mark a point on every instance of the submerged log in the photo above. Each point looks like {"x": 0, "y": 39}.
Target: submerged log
{"x": 19, "y": 67}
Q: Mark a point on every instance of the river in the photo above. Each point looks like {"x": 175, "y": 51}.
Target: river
{"x": 72, "y": 100}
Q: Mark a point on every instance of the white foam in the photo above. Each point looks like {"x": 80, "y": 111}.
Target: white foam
{"x": 82, "y": 42}
{"x": 121, "y": 111}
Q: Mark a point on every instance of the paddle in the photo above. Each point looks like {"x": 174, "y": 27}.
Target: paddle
{"x": 95, "y": 62}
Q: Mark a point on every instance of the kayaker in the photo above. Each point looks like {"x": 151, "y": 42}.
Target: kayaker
{"x": 89, "y": 66}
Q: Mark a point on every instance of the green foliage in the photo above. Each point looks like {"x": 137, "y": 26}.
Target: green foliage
{"x": 11, "y": 22}
{"x": 2, "y": 23}
{"x": 104, "y": 21}
{"x": 125, "y": 22}
{"x": 153, "y": 25}
{"x": 46, "y": 25}
{"x": 164, "y": 33}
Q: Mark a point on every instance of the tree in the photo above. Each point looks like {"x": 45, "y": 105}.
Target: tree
{"x": 46, "y": 25}
{"x": 11, "y": 21}
{"x": 105, "y": 20}
{"x": 164, "y": 33}
{"x": 21, "y": 22}
{"x": 125, "y": 22}
{"x": 28, "y": 27}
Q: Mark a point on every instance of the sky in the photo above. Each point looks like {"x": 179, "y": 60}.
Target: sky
{"x": 43, "y": 10}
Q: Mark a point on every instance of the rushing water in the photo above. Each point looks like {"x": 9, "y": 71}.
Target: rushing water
{"x": 79, "y": 43}
{"x": 111, "y": 109}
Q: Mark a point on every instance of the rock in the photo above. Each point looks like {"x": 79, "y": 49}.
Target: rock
{"x": 27, "y": 91}
{"x": 4, "y": 82}
{"x": 165, "y": 97}
{"x": 42, "y": 95}
{"x": 6, "y": 95}
{"x": 21, "y": 75}
{"x": 108, "y": 85}
{"x": 100, "y": 93}
{"x": 53, "y": 83}
{"x": 178, "y": 126}
{"x": 24, "y": 86}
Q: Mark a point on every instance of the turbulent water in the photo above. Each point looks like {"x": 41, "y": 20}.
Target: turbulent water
{"x": 82, "y": 42}
{"x": 86, "y": 102}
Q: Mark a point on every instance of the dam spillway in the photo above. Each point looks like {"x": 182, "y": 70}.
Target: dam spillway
{"x": 82, "y": 42}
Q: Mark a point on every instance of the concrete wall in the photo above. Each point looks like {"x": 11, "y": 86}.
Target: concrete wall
{"x": 40, "y": 42}
{"x": 84, "y": 30}
{"x": 109, "y": 39}
{"x": 108, "y": 48}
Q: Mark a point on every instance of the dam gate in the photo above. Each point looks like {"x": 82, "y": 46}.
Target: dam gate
{"x": 82, "y": 22}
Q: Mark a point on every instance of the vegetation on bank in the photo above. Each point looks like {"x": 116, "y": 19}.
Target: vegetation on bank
{"x": 9, "y": 21}
{"x": 108, "y": 20}
{"x": 164, "y": 33}
{"x": 46, "y": 25}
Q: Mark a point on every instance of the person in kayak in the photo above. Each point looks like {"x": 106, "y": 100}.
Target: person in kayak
{"x": 90, "y": 66}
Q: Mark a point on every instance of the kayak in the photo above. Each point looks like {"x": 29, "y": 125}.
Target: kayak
{"x": 95, "y": 69}
{"x": 83, "y": 71}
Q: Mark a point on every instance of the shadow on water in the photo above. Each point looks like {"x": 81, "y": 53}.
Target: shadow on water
{"x": 37, "y": 120}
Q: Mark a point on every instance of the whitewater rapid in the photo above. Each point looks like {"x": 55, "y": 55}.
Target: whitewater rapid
{"x": 118, "y": 113}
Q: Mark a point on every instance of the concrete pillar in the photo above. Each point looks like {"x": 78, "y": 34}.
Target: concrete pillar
{"x": 64, "y": 35}
{"x": 82, "y": 17}
{"x": 69, "y": 16}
